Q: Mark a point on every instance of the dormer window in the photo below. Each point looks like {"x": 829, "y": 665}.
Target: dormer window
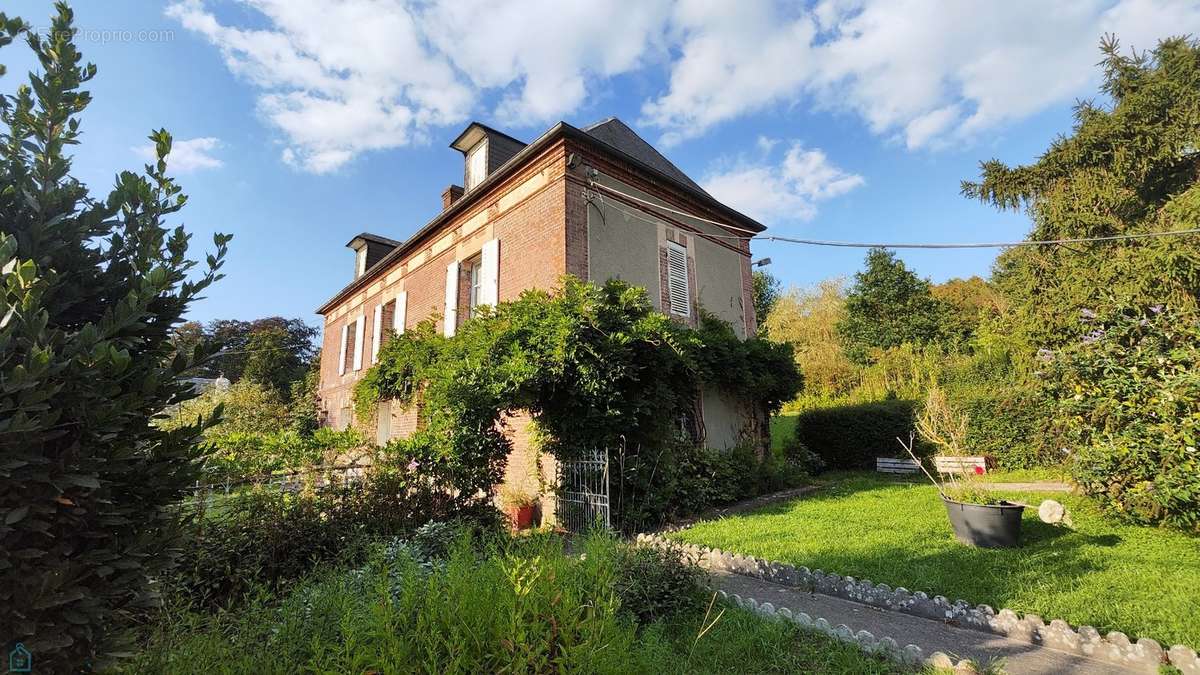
{"x": 360, "y": 262}
{"x": 485, "y": 150}
{"x": 477, "y": 164}
{"x": 369, "y": 249}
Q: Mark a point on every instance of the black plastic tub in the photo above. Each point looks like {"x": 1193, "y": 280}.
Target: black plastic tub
{"x": 986, "y": 525}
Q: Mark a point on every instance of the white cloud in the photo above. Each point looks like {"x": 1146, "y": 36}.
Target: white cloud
{"x": 925, "y": 72}
{"x": 785, "y": 191}
{"x": 543, "y": 54}
{"x": 338, "y": 79}
{"x": 186, "y": 155}
{"x": 735, "y": 57}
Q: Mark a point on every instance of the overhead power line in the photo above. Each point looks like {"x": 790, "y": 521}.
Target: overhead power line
{"x": 855, "y": 244}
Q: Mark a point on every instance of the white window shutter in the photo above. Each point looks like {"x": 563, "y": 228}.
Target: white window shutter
{"x": 450, "y": 320}
{"x": 377, "y": 332}
{"x": 342, "y": 353}
{"x": 401, "y": 313}
{"x": 677, "y": 280}
{"x": 359, "y": 327}
{"x": 489, "y": 285}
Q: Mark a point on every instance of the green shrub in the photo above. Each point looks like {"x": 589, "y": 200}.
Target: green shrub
{"x": 509, "y": 605}
{"x": 1129, "y": 395}
{"x": 242, "y": 455}
{"x": 271, "y": 537}
{"x": 655, "y": 584}
{"x": 851, "y": 436}
{"x": 247, "y": 407}
{"x": 682, "y": 479}
{"x": 91, "y": 288}
{"x": 1010, "y": 425}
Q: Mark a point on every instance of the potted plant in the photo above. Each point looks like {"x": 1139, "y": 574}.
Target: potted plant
{"x": 977, "y": 517}
{"x": 519, "y": 505}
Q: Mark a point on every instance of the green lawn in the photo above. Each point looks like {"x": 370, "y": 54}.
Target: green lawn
{"x": 783, "y": 431}
{"x": 1142, "y": 581}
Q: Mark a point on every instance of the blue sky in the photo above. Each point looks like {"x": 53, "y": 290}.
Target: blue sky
{"x": 299, "y": 124}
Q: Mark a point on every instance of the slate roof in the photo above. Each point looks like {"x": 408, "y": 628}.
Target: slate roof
{"x": 616, "y": 133}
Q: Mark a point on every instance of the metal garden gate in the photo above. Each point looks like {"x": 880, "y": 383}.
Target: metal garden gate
{"x": 583, "y": 492}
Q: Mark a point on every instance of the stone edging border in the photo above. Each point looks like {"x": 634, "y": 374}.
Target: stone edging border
{"x": 885, "y": 646}
{"x": 1115, "y": 647}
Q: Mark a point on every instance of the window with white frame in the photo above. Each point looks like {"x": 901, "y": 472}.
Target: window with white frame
{"x": 476, "y": 164}
{"x": 678, "y": 292}
{"x": 476, "y": 279}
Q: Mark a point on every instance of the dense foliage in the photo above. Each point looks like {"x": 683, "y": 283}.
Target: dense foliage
{"x": 767, "y": 290}
{"x": 680, "y": 479}
{"x": 595, "y": 366}
{"x": 888, "y": 306}
{"x": 270, "y": 538}
{"x": 1129, "y": 394}
{"x": 272, "y": 351}
{"x": 501, "y": 606}
{"x": 1128, "y": 167}
{"x": 851, "y": 436}
{"x": 241, "y": 456}
{"x": 90, "y": 292}
{"x": 808, "y": 319}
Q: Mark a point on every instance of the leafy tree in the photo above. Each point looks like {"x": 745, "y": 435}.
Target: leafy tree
{"x": 246, "y": 407}
{"x": 277, "y": 350}
{"x": 1128, "y": 167}
{"x": 766, "y": 293}
{"x": 888, "y": 306}
{"x": 807, "y": 319}
{"x": 90, "y": 291}
{"x": 272, "y": 361}
{"x": 303, "y": 404}
{"x": 968, "y": 302}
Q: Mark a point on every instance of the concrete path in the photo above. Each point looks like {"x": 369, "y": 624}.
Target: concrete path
{"x": 1020, "y": 658}
{"x": 1039, "y": 486}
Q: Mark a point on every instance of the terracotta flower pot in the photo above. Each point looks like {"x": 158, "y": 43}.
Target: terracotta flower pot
{"x": 521, "y": 516}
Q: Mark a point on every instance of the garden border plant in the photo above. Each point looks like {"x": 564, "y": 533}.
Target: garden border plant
{"x": 595, "y": 366}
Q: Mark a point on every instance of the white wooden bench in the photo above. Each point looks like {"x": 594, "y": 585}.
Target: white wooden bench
{"x": 945, "y": 464}
{"x": 895, "y": 465}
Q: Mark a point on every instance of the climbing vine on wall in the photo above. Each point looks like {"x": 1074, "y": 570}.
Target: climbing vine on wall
{"x": 596, "y": 366}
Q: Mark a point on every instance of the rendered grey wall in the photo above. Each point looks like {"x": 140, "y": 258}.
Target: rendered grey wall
{"x": 623, "y": 247}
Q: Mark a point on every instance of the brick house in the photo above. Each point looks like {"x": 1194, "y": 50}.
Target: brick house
{"x": 597, "y": 202}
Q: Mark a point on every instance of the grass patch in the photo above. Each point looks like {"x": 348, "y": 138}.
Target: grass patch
{"x": 1056, "y": 474}
{"x": 1142, "y": 581}
{"x": 783, "y": 431}
{"x": 518, "y": 606}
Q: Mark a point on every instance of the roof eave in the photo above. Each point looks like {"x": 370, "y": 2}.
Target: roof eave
{"x": 537, "y": 145}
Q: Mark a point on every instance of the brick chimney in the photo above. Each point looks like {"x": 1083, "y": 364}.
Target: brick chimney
{"x": 451, "y": 195}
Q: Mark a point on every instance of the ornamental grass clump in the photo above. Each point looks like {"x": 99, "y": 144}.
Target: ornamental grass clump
{"x": 940, "y": 424}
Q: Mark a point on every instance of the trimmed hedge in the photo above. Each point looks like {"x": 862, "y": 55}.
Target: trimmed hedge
{"x": 852, "y": 436}
{"x": 1010, "y": 426}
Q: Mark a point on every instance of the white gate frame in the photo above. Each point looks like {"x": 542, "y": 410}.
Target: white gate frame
{"x": 582, "y": 498}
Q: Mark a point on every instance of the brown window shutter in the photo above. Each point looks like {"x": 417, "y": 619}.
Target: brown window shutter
{"x": 389, "y": 316}
{"x": 351, "y": 339}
